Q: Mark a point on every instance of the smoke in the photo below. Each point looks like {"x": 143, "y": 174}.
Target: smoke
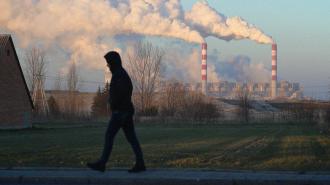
{"x": 83, "y": 28}
{"x": 82, "y": 31}
{"x": 209, "y": 22}
{"x": 241, "y": 69}
{"x": 185, "y": 66}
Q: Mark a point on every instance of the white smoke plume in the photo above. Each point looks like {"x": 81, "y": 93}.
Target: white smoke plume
{"x": 240, "y": 69}
{"x": 82, "y": 28}
{"x": 185, "y": 66}
{"x": 209, "y": 22}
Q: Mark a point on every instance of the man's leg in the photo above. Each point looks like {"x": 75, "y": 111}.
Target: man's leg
{"x": 113, "y": 128}
{"x": 129, "y": 130}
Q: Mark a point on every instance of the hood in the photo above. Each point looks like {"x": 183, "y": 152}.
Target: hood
{"x": 114, "y": 60}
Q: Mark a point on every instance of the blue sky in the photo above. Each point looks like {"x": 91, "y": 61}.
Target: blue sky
{"x": 300, "y": 27}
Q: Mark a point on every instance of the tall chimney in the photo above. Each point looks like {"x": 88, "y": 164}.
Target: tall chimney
{"x": 274, "y": 71}
{"x": 204, "y": 68}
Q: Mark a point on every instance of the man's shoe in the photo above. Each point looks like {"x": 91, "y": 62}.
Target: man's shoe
{"x": 98, "y": 166}
{"x": 137, "y": 169}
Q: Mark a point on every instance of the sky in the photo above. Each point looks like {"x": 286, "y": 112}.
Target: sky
{"x": 301, "y": 29}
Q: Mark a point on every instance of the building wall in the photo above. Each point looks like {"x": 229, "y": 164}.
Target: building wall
{"x": 15, "y": 107}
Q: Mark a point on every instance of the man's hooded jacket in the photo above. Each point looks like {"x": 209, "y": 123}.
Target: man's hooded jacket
{"x": 120, "y": 86}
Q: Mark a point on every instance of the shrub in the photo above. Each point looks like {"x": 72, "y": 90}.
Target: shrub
{"x": 197, "y": 107}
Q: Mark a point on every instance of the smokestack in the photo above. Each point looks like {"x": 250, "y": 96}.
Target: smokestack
{"x": 274, "y": 71}
{"x": 204, "y": 68}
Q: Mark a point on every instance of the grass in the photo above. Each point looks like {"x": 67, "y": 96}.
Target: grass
{"x": 228, "y": 146}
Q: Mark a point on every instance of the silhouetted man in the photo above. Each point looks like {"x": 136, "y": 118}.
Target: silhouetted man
{"x": 122, "y": 114}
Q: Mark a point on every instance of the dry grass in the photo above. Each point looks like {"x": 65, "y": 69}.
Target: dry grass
{"x": 239, "y": 146}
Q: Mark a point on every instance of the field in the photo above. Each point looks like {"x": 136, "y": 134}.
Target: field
{"x": 228, "y": 146}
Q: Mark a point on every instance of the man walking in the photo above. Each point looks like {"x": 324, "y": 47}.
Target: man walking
{"x": 122, "y": 115}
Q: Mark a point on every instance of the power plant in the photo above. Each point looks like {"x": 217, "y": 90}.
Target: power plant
{"x": 226, "y": 89}
{"x": 257, "y": 90}
{"x": 273, "y": 88}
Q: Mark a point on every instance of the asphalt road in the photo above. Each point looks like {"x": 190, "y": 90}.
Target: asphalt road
{"x": 45, "y": 176}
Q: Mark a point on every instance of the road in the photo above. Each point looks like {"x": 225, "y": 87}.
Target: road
{"x": 45, "y": 176}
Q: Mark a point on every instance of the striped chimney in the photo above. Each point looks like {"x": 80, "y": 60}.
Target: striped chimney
{"x": 204, "y": 68}
{"x": 274, "y": 71}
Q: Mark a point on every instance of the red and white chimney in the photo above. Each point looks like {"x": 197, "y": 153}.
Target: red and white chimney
{"x": 274, "y": 71}
{"x": 204, "y": 68}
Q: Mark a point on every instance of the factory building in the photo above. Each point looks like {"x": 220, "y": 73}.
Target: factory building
{"x": 230, "y": 90}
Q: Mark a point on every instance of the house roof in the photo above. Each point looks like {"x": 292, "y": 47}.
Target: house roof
{"x": 4, "y": 40}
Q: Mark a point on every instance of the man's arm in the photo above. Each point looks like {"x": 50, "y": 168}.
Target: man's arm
{"x": 117, "y": 92}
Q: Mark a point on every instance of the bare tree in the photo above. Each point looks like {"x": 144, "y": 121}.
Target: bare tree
{"x": 244, "y": 98}
{"x": 35, "y": 66}
{"x": 172, "y": 97}
{"x": 144, "y": 66}
{"x": 35, "y": 61}
{"x": 54, "y": 109}
{"x": 197, "y": 107}
{"x": 58, "y": 82}
{"x": 72, "y": 80}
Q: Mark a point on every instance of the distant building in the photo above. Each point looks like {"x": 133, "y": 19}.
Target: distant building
{"x": 230, "y": 90}
{"x": 15, "y": 101}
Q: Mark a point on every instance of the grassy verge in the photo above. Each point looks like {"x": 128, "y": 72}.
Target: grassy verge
{"x": 225, "y": 146}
